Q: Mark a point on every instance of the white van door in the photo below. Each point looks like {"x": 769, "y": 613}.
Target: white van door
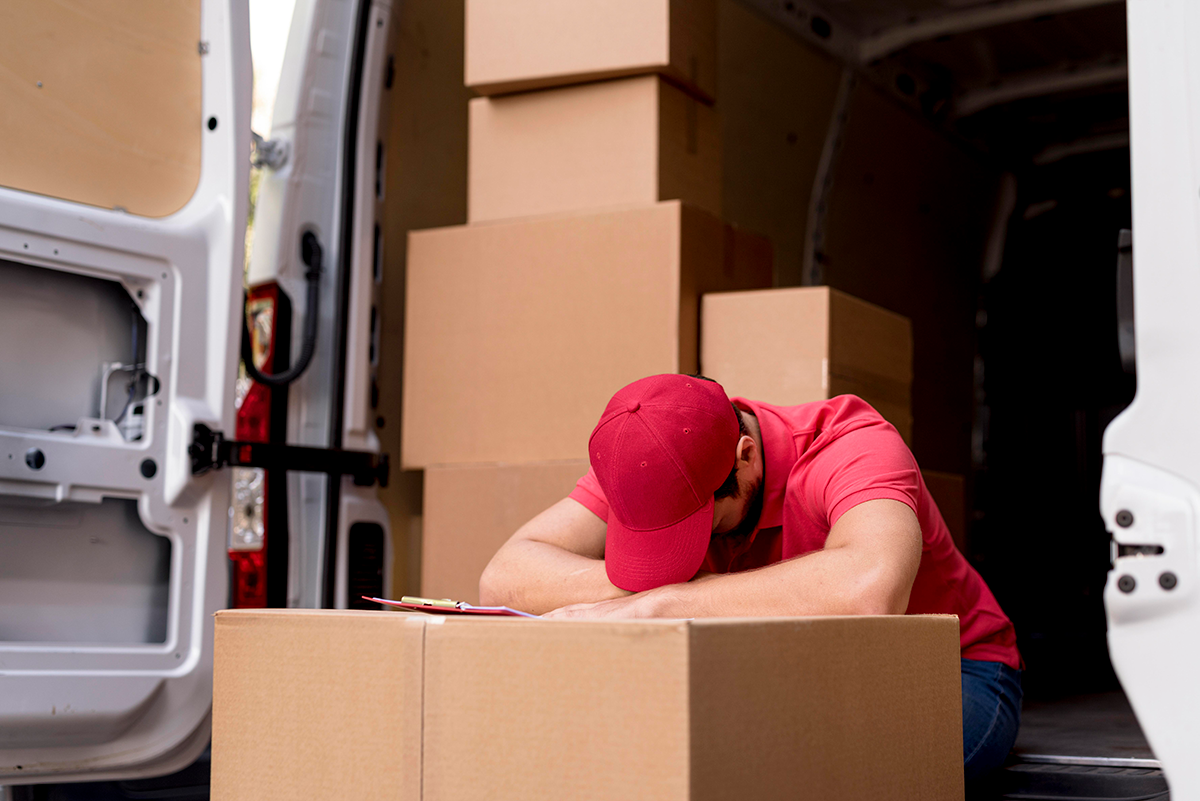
{"x": 124, "y": 159}
{"x": 1150, "y": 491}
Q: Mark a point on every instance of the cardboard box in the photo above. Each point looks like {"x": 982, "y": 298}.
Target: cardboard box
{"x": 314, "y": 704}
{"x": 471, "y": 510}
{"x": 516, "y": 45}
{"x": 518, "y": 333}
{"x": 790, "y": 346}
{"x": 950, "y": 494}
{"x": 837, "y": 707}
{"x": 613, "y": 143}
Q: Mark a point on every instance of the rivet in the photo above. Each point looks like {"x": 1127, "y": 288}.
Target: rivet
{"x": 1124, "y": 518}
{"x": 1126, "y": 584}
{"x": 1168, "y": 580}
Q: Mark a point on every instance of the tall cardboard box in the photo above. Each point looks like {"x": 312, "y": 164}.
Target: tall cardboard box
{"x": 517, "y": 333}
{"x": 317, "y": 704}
{"x": 635, "y": 140}
{"x": 517, "y": 45}
{"x": 790, "y": 346}
{"x": 471, "y": 510}
{"x": 363, "y": 705}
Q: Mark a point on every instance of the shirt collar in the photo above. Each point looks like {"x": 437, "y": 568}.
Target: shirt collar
{"x": 779, "y": 455}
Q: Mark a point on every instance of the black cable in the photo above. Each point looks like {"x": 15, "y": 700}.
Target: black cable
{"x": 310, "y": 252}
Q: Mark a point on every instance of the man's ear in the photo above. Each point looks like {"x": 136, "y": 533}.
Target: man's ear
{"x": 746, "y": 448}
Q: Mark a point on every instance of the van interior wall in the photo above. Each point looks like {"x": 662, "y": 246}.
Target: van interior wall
{"x": 426, "y": 180}
{"x": 775, "y": 97}
{"x": 1052, "y": 381}
{"x": 907, "y": 219}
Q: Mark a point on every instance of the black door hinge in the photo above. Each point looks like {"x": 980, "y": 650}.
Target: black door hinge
{"x": 211, "y": 451}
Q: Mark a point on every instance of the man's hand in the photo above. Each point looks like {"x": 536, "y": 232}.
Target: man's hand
{"x": 642, "y": 604}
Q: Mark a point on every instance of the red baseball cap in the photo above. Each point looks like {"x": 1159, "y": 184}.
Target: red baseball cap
{"x": 664, "y": 445}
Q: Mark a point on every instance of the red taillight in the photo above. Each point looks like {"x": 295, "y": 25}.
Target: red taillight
{"x": 248, "y": 521}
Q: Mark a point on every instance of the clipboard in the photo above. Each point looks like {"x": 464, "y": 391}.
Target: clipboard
{"x": 444, "y": 606}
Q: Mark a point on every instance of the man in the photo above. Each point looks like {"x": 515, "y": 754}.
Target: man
{"x": 698, "y": 506}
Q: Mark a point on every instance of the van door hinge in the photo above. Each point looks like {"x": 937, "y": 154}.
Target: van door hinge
{"x": 271, "y": 153}
{"x": 211, "y": 451}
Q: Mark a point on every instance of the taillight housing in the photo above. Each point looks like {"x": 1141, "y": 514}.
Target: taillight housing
{"x": 258, "y": 581}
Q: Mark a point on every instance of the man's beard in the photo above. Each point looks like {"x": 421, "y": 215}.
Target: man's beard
{"x": 750, "y": 521}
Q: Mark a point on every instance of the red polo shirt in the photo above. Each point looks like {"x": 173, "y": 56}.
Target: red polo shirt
{"x": 820, "y": 459}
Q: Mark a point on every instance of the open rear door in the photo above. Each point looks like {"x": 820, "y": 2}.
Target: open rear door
{"x": 124, "y": 159}
{"x": 1150, "y": 492}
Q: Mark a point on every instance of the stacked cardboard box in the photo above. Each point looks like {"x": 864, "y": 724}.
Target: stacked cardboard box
{"x": 594, "y": 197}
{"x": 374, "y": 705}
{"x": 788, "y": 346}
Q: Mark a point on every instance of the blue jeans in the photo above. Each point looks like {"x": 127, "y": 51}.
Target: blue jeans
{"x": 991, "y": 706}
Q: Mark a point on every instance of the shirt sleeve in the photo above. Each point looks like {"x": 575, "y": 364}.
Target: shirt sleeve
{"x": 863, "y": 464}
{"x": 587, "y": 492}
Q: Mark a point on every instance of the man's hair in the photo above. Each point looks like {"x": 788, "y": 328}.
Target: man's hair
{"x": 730, "y": 488}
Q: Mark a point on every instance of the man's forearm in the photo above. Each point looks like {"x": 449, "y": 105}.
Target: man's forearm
{"x": 829, "y": 582}
{"x": 537, "y": 577}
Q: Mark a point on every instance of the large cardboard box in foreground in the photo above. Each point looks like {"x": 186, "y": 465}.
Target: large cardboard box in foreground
{"x": 324, "y": 704}
{"x": 471, "y": 510}
{"x": 516, "y": 45}
{"x": 790, "y": 346}
{"x": 518, "y": 333}
{"x": 613, "y": 143}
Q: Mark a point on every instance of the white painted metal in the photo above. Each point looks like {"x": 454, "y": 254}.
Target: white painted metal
{"x": 1151, "y": 466}
{"x": 923, "y": 29}
{"x": 144, "y": 707}
{"x": 305, "y": 195}
{"x": 1038, "y": 85}
{"x": 362, "y": 504}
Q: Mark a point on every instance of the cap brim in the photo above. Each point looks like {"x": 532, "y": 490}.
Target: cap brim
{"x": 642, "y": 560}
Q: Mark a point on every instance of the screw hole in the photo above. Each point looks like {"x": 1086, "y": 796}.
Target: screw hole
{"x": 212, "y": 123}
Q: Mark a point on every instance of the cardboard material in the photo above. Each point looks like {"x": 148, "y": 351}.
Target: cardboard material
{"x": 790, "y": 346}
{"x": 516, "y": 45}
{"x": 709, "y": 709}
{"x": 471, "y": 510}
{"x": 101, "y": 102}
{"x": 518, "y": 333}
{"x": 317, "y": 704}
{"x": 635, "y": 140}
{"x": 663, "y": 710}
{"x": 950, "y": 494}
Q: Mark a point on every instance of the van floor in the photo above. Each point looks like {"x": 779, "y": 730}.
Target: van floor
{"x": 1080, "y": 747}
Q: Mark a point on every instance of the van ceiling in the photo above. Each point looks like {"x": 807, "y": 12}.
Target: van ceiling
{"x": 1022, "y": 80}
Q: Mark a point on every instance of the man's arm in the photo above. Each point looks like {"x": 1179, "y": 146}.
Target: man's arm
{"x": 866, "y": 568}
{"x": 554, "y": 560}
